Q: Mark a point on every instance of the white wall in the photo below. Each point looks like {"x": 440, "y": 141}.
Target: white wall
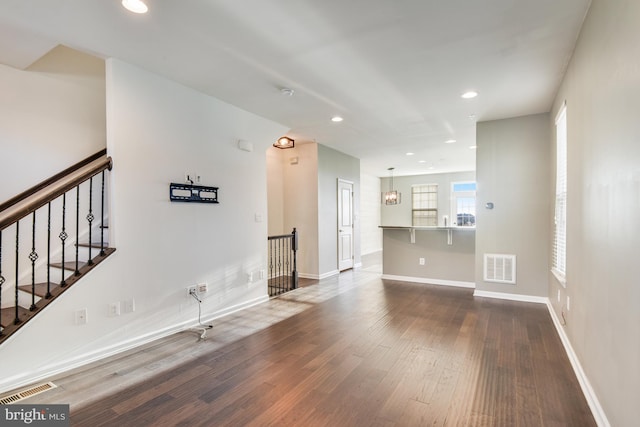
{"x": 275, "y": 191}
{"x": 370, "y": 233}
{"x": 52, "y": 115}
{"x": 602, "y": 91}
{"x": 157, "y": 130}
{"x": 512, "y": 170}
{"x": 301, "y": 203}
{"x": 334, "y": 165}
{"x": 401, "y": 214}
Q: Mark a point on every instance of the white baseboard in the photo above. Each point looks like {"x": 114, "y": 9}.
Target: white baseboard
{"x": 585, "y": 385}
{"x": 511, "y": 297}
{"x": 375, "y": 251}
{"x": 46, "y": 372}
{"x": 357, "y": 265}
{"x": 318, "y": 276}
{"x": 455, "y": 283}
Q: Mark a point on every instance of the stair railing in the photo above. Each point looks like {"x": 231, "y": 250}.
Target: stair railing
{"x": 283, "y": 266}
{"x": 37, "y": 203}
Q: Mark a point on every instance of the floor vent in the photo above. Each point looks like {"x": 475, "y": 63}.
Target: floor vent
{"x": 500, "y": 268}
{"x": 31, "y": 391}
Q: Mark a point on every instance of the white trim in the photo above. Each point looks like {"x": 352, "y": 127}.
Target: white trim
{"x": 585, "y": 385}
{"x": 318, "y": 276}
{"x": 371, "y": 252}
{"x": 511, "y": 297}
{"x": 560, "y": 277}
{"x": 328, "y": 274}
{"x": 49, "y": 371}
{"x": 561, "y": 111}
{"x": 439, "y": 282}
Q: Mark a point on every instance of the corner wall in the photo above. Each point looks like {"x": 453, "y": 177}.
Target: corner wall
{"x": 513, "y": 172}
{"x": 52, "y": 115}
{"x": 332, "y": 165}
{"x": 370, "y": 233}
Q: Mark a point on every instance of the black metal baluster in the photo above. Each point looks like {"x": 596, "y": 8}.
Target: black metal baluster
{"x": 287, "y": 259}
{"x": 48, "y": 295}
{"x": 279, "y": 258}
{"x": 90, "y": 217}
{"x": 294, "y": 274}
{"x": 16, "y": 320}
{"x": 77, "y": 272}
{"x": 289, "y": 284}
{"x": 102, "y": 218}
{"x": 63, "y": 235}
{"x": 33, "y": 256}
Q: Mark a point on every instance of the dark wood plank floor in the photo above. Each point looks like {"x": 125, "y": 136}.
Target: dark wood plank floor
{"x": 380, "y": 354}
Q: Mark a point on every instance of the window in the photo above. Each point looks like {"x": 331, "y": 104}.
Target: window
{"x": 463, "y": 204}
{"x": 559, "y": 263}
{"x": 424, "y": 205}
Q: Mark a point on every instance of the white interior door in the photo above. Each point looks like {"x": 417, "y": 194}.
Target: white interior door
{"x": 345, "y": 225}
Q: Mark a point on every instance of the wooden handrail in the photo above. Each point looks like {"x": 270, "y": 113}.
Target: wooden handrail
{"x": 31, "y": 200}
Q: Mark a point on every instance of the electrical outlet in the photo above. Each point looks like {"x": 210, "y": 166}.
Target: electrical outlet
{"x": 114, "y": 309}
{"x": 262, "y": 274}
{"x": 81, "y": 316}
{"x": 250, "y": 277}
{"x": 202, "y": 288}
{"x": 192, "y": 290}
{"x": 422, "y": 261}
{"x": 130, "y": 305}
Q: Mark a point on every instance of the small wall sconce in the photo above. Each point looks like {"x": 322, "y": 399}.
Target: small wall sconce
{"x": 284, "y": 142}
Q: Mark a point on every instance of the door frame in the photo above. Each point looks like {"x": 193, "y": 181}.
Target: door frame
{"x": 342, "y": 265}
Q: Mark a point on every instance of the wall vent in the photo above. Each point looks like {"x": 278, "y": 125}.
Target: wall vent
{"x": 500, "y": 268}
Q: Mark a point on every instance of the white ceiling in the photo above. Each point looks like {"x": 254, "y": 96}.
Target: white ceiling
{"x": 394, "y": 69}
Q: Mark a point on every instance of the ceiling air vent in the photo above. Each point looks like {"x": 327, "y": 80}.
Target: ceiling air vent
{"x": 500, "y": 268}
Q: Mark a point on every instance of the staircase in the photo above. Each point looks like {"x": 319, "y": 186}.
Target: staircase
{"x": 64, "y": 239}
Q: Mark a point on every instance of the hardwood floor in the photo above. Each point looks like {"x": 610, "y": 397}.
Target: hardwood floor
{"x": 353, "y": 350}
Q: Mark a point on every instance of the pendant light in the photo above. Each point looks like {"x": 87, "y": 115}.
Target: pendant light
{"x": 391, "y": 197}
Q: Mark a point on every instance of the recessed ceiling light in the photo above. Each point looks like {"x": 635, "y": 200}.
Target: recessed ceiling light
{"x": 473, "y": 147}
{"x": 450, "y": 141}
{"x": 470, "y": 94}
{"x": 431, "y": 167}
{"x": 336, "y": 119}
{"x": 135, "y": 6}
{"x": 422, "y": 161}
{"x": 410, "y": 154}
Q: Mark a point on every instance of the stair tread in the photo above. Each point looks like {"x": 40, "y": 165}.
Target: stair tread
{"x": 41, "y": 288}
{"x": 94, "y": 245}
{"x": 8, "y": 314}
{"x": 68, "y": 265}
{"x": 24, "y": 315}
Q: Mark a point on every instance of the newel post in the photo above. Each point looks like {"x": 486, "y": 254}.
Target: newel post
{"x": 294, "y": 248}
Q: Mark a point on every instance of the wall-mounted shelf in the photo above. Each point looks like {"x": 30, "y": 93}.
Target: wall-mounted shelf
{"x": 412, "y": 230}
{"x": 192, "y": 193}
